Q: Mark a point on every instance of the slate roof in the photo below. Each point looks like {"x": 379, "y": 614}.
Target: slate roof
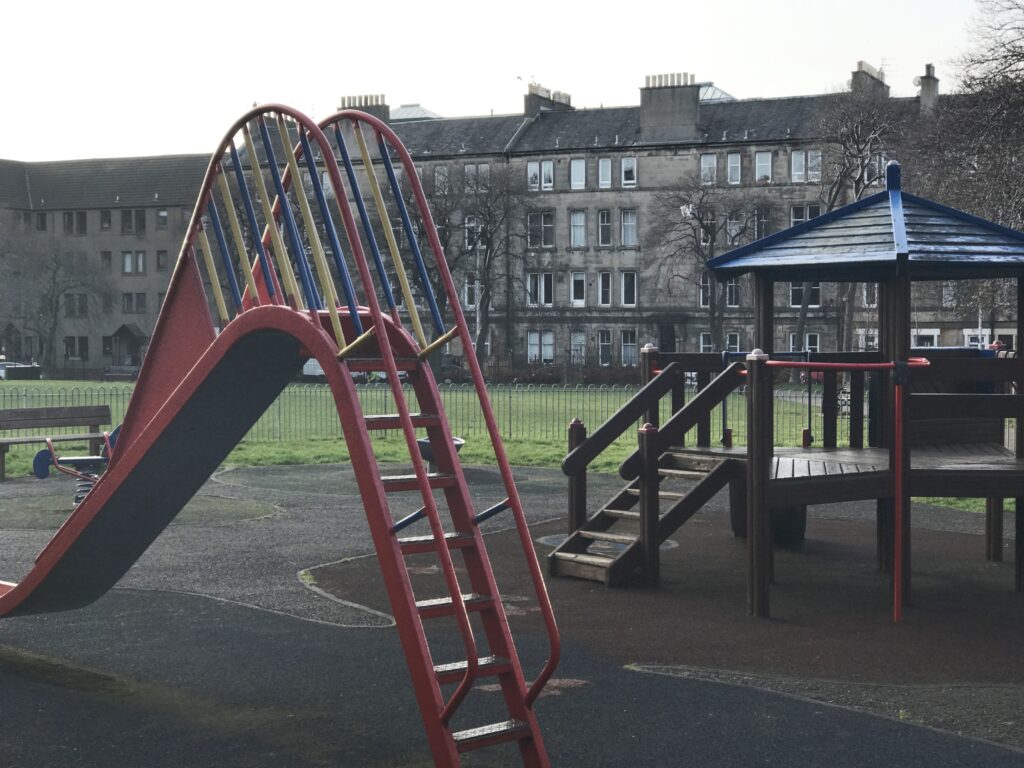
{"x": 864, "y": 240}
{"x": 102, "y": 183}
{"x": 456, "y": 136}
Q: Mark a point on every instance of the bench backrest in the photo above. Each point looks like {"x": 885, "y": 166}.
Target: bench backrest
{"x": 66, "y": 416}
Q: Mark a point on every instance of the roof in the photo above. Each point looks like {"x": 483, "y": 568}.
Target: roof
{"x": 864, "y": 241}
{"x": 413, "y": 112}
{"x": 456, "y": 136}
{"x": 102, "y": 183}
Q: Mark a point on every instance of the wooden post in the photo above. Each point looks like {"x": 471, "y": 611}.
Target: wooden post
{"x": 577, "y": 482}
{"x": 759, "y": 461}
{"x": 829, "y": 409}
{"x": 649, "y": 361}
{"x": 857, "y": 409}
{"x": 649, "y": 506}
{"x": 994, "y": 530}
{"x": 1018, "y": 444}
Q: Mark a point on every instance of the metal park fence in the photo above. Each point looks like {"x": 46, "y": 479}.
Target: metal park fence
{"x": 526, "y": 412}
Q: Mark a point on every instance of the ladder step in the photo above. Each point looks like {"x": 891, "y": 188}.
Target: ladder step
{"x": 661, "y": 494}
{"x": 599, "y": 561}
{"x": 622, "y": 514}
{"x": 443, "y": 606}
{"x": 414, "y": 545}
{"x": 489, "y": 666}
{"x": 376, "y": 364}
{"x": 488, "y": 735}
{"x": 394, "y": 421}
{"x": 695, "y": 474}
{"x": 617, "y": 538}
{"x": 394, "y": 483}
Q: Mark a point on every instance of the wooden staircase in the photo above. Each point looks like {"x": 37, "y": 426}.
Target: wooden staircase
{"x": 608, "y": 548}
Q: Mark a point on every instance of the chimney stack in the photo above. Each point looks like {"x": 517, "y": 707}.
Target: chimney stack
{"x": 670, "y": 107}
{"x": 372, "y": 104}
{"x": 868, "y": 81}
{"x": 539, "y": 99}
{"x": 929, "y": 88}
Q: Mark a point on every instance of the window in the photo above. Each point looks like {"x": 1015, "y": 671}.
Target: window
{"x": 874, "y": 169}
{"x": 707, "y": 228}
{"x": 604, "y": 289}
{"x": 472, "y": 232}
{"x": 578, "y": 289}
{"x": 40, "y": 222}
{"x": 796, "y": 295}
{"x": 762, "y": 223}
{"x": 140, "y": 221}
{"x": 161, "y": 261}
{"x": 83, "y": 347}
{"x": 706, "y": 345}
{"x": 814, "y": 165}
{"x": 540, "y": 232}
{"x": 629, "y": 348}
{"x": 471, "y": 290}
{"x": 708, "y": 169}
{"x": 127, "y": 303}
{"x": 733, "y": 227}
{"x": 161, "y": 218}
{"x": 732, "y": 342}
{"x": 604, "y": 348}
{"x": 604, "y": 173}
{"x": 733, "y": 167}
{"x": 140, "y": 303}
{"x": 604, "y": 228}
{"x": 975, "y": 339}
{"x": 539, "y": 289}
{"x": 870, "y": 294}
{"x": 763, "y": 167}
{"x": 732, "y": 292}
{"x": 798, "y": 167}
{"x": 160, "y": 299}
{"x": 108, "y": 346}
{"x": 628, "y": 235}
{"x": 627, "y": 296}
{"x": 540, "y": 347}
{"x": 704, "y": 290}
{"x": 127, "y": 222}
{"x": 107, "y": 260}
{"x": 69, "y": 222}
{"x": 577, "y": 174}
{"x": 628, "y": 165}
{"x": 69, "y": 347}
{"x": 578, "y": 229}
{"x": 578, "y": 349}
{"x": 547, "y": 174}
{"x": 105, "y": 217}
{"x": 75, "y": 305}
{"x": 441, "y": 179}
{"x": 801, "y": 213}
{"x": 811, "y": 343}
{"x": 127, "y": 262}
{"x": 108, "y": 303}
{"x": 925, "y": 338}
{"x": 475, "y": 177}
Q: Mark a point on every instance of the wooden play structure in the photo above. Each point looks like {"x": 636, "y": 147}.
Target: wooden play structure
{"x": 314, "y": 241}
{"x": 935, "y": 417}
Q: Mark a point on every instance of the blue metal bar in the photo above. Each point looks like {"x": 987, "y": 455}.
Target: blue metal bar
{"x": 225, "y": 254}
{"x": 487, "y": 514}
{"x": 312, "y": 295}
{"x": 413, "y": 244}
{"x": 250, "y": 214}
{"x": 364, "y": 217}
{"x": 332, "y": 234}
{"x": 408, "y": 520}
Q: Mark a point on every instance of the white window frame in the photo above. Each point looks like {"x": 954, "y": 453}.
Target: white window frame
{"x": 732, "y": 292}
{"x": 626, "y": 277}
{"x": 866, "y": 297}
{"x": 633, "y": 240}
{"x": 577, "y": 289}
{"x": 604, "y": 348}
{"x": 704, "y": 289}
{"x": 577, "y": 229}
{"x": 546, "y": 227}
{"x": 919, "y": 333}
{"x": 973, "y": 339}
{"x": 628, "y": 348}
{"x": 732, "y": 341}
{"x": 808, "y": 346}
{"x": 540, "y": 347}
{"x": 471, "y": 232}
{"x": 577, "y": 349}
{"x": 604, "y": 289}
{"x": 604, "y": 173}
{"x": 547, "y": 175}
{"x": 798, "y": 166}
{"x": 794, "y": 287}
{"x": 733, "y": 168}
{"x": 539, "y": 289}
{"x": 762, "y": 162}
{"x": 863, "y": 335}
{"x": 532, "y": 175}
{"x": 804, "y": 213}
{"x": 704, "y": 342}
{"x": 578, "y": 173}
{"x": 604, "y": 227}
{"x": 628, "y": 172}
{"x": 708, "y": 169}
{"x": 813, "y": 166}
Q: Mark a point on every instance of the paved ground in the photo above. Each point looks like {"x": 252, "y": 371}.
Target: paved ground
{"x": 254, "y": 633}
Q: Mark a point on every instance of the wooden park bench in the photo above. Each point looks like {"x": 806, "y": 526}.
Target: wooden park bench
{"x": 91, "y": 417}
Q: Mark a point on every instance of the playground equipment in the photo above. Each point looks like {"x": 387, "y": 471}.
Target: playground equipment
{"x": 266, "y": 280}
{"x": 934, "y": 429}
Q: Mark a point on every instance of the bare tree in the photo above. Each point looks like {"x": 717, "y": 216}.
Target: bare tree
{"x": 696, "y": 222}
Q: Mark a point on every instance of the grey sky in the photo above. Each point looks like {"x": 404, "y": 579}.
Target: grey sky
{"x": 114, "y": 78}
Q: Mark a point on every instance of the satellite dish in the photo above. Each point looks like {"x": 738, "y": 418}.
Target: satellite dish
{"x": 917, "y": 81}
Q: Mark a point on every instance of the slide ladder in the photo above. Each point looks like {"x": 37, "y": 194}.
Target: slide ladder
{"x": 316, "y": 241}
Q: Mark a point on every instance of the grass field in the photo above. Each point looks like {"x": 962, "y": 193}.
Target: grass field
{"x": 301, "y": 426}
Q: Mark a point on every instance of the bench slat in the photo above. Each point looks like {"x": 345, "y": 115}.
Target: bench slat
{"x": 5, "y": 441}
{"x": 66, "y": 416}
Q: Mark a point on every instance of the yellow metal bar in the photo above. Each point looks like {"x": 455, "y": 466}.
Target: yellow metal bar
{"x": 218, "y": 295}
{"x": 438, "y": 342}
{"x": 389, "y": 235}
{"x": 236, "y": 234}
{"x": 279, "y": 252}
{"x": 359, "y": 341}
{"x": 312, "y": 234}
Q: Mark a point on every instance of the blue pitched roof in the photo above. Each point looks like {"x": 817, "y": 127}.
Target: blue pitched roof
{"x": 863, "y": 241}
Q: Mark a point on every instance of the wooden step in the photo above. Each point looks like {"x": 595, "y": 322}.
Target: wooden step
{"x": 487, "y": 666}
{"x": 681, "y": 459}
{"x": 397, "y": 483}
{"x": 414, "y": 545}
{"x": 692, "y": 474}
{"x": 617, "y": 538}
{"x": 622, "y": 514}
{"x": 394, "y": 421}
{"x": 444, "y": 606}
{"x": 376, "y": 364}
{"x": 488, "y": 735}
{"x": 661, "y": 494}
{"x": 581, "y": 565}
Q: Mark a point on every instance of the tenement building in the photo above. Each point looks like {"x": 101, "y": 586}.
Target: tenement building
{"x": 576, "y": 236}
